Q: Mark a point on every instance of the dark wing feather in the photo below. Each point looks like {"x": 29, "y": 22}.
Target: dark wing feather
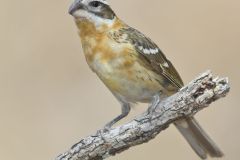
{"x": 153, "y": 56}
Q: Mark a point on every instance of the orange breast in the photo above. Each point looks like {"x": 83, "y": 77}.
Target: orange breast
{"x": 117, "y": 66}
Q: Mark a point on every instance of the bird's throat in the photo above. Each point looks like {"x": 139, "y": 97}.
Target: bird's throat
{"x": 88, "y": 28}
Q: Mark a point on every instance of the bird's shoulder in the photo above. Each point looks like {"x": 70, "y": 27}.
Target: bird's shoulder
{"x": 149, "y": 53}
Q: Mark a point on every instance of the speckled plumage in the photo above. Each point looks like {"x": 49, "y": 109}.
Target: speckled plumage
{"x": 132, "y": 66}
{"x": 113, "y": 54}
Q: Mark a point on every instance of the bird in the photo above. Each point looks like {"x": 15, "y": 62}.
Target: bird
{"x": 132, "y": 67}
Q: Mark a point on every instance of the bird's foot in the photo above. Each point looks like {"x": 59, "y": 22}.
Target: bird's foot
{"x": 154, "y": 103}
{"x": 107, "y": 128}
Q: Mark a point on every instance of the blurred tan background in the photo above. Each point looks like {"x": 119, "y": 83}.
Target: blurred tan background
{"x": 49, "y": 98}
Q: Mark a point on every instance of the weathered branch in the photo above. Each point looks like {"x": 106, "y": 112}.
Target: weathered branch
{"x": 197, "y": 95}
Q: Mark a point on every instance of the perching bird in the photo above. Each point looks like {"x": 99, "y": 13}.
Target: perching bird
{"x": 132, "y": 66}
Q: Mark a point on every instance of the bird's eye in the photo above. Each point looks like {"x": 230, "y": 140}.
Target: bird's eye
{"x": 95, "y": 4}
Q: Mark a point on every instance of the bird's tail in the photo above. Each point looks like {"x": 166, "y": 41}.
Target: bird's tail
{"x": 200, "y": 142}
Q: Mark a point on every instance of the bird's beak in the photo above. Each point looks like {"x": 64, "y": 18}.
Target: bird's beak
{"x": 77, "y": 4}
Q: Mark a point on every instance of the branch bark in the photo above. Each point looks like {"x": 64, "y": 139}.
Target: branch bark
{"x": 197, "y": 95}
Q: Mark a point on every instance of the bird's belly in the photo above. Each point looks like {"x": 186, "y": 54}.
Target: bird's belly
{"x": 134, "y": 90}
{"x": 120, "y": 71}
{"x": 131, "y": 84}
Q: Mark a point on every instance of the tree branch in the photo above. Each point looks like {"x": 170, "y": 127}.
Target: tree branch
{"x": 192, "y": 98}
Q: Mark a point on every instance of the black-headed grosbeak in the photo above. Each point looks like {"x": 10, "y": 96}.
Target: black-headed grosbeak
{"x": 132, "y": 66}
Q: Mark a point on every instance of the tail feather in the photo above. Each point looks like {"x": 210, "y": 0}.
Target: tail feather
{"x": 200, "y": 142}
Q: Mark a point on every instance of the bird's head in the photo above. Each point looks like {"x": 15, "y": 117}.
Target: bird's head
{"x": 96, "y": 11}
